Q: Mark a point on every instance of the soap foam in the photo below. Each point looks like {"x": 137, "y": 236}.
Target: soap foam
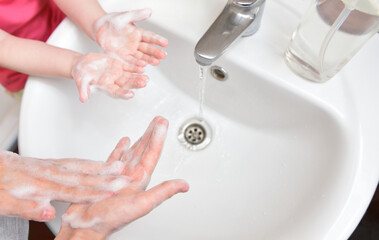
{"x": 90, "y": 73}
{"x": 63, "y": 174}
{"x": 119, "y": 183}
{"x": 160, "y": 131}
{"x": 23, "y": 191}
{"x": 75, "y": 221}
{"x": 117, "y": 23}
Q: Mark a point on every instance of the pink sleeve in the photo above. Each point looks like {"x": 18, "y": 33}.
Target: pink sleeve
{"x": 30, "y": 19}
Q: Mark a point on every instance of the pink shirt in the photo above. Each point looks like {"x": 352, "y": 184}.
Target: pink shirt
{"x": 31, "y": 19}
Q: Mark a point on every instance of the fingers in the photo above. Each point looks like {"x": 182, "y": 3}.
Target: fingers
{"x": 125, "y": 54}
{"x": 115, "y": 91}
{"x": 134, "y": 154}
{"x": 146, "y": 58}
{"x": 155, "y": 145}
{"x": 120, "y": 149}
{"x": 153, "y": 38}
{"x": 103, "y": 182}
{"x": 152, "y": 51}
{"x": 144, "y": 54}
{"x": 36, "y": 188}
{"x": 28, "y": 209}
{"x": 154, "y": 197}
{"x": 88, "y": 167}
{"x": 132, "y": 82}
{"x": 144, "y": 154}
{"x": 65, "y": 193}
{"x": 132, "y": 68}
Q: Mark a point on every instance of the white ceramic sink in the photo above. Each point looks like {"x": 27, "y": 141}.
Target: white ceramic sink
{"x": 289, "y": 159}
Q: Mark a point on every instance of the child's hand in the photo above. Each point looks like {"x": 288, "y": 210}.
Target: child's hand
{"x": 117, "y": 34}
{"x": 97, "y": 220}
{"x": 106, "y": 74}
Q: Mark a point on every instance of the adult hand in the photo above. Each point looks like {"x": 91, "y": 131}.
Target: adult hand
{"x": 117, "y": 34}
{"x": 106, "y": 74}
{"x": 27, "y": 185}
{"x": 99, "y": 219}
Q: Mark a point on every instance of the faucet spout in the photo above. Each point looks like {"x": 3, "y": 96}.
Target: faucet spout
{"x": 239, "y": 18}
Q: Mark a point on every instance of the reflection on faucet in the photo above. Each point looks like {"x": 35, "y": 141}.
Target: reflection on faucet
{"x": 239, "y": 18}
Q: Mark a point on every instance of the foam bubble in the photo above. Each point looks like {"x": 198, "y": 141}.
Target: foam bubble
{"x": 119, "y": 183}
{"x": 160, "y": 131}
{"x": 23, "y": 191}
{"x": 75, "y": 221}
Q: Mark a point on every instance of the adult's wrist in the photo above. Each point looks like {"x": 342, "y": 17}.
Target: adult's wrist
{"x": 68, "y": 233}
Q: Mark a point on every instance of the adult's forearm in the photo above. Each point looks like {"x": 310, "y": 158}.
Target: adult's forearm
{"x": 35, "y": 57}
{"x": 84, "y": 13}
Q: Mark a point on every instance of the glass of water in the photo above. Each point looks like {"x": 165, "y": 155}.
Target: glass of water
{"x": 329, "y": 35}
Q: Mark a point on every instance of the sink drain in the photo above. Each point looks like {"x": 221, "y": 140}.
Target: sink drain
{"x": 195, "y": 134}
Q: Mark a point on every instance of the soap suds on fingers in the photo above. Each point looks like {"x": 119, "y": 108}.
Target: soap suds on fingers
{"x": 69, "y": 180}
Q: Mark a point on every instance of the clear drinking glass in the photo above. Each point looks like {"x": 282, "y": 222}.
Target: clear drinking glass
{"x": 329, "y": 35}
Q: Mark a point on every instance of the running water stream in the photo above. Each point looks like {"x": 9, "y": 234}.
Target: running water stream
{"x": 203, "y": 78}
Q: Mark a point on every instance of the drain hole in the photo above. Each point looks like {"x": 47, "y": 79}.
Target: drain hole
{"x": 219, "y": 73}
{"x": 195, "y": 134}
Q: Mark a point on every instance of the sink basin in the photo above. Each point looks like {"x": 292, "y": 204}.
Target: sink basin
{"x": 288, "y": 159}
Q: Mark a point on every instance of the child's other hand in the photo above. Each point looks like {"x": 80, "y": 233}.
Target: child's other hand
{"x": 107, "y": 74}
{"x": 117, "y": 34}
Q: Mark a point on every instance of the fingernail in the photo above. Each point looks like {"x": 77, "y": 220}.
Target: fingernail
{"x": 185, "y": 189}
{"x": 47, "y": 215}
{"x": 129, "y": 95}
{"x": 142, "y": 63}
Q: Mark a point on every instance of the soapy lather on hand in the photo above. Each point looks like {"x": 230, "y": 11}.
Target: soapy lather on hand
{"x": 128, "y": 48}
{"x": 27, "y": 185}
{"x": 117, "y": 35}
{"x": 98, "y": 71}
{"x": 98, "y": 220}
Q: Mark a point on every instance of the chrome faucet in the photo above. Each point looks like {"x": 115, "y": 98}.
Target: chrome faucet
{"x": 239, "y": 18}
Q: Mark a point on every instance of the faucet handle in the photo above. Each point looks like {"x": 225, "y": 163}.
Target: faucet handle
{"x": 253, "y": 8}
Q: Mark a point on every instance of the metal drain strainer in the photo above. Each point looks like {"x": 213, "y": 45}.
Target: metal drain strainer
{"x": 195, "y": 134}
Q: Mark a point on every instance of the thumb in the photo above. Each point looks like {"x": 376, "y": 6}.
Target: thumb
{"x": 139, "y": 15}
{"x": 82, "y": 84}
{"x": 160, "y": 193}
{"x": 84, "y": 91}
{"x": 44, "y": 214}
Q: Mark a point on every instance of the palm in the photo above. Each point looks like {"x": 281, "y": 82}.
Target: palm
{"x": 123, "y": 43}
{"x": 107, "y": 74}
{"x": 117, "y": 34}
